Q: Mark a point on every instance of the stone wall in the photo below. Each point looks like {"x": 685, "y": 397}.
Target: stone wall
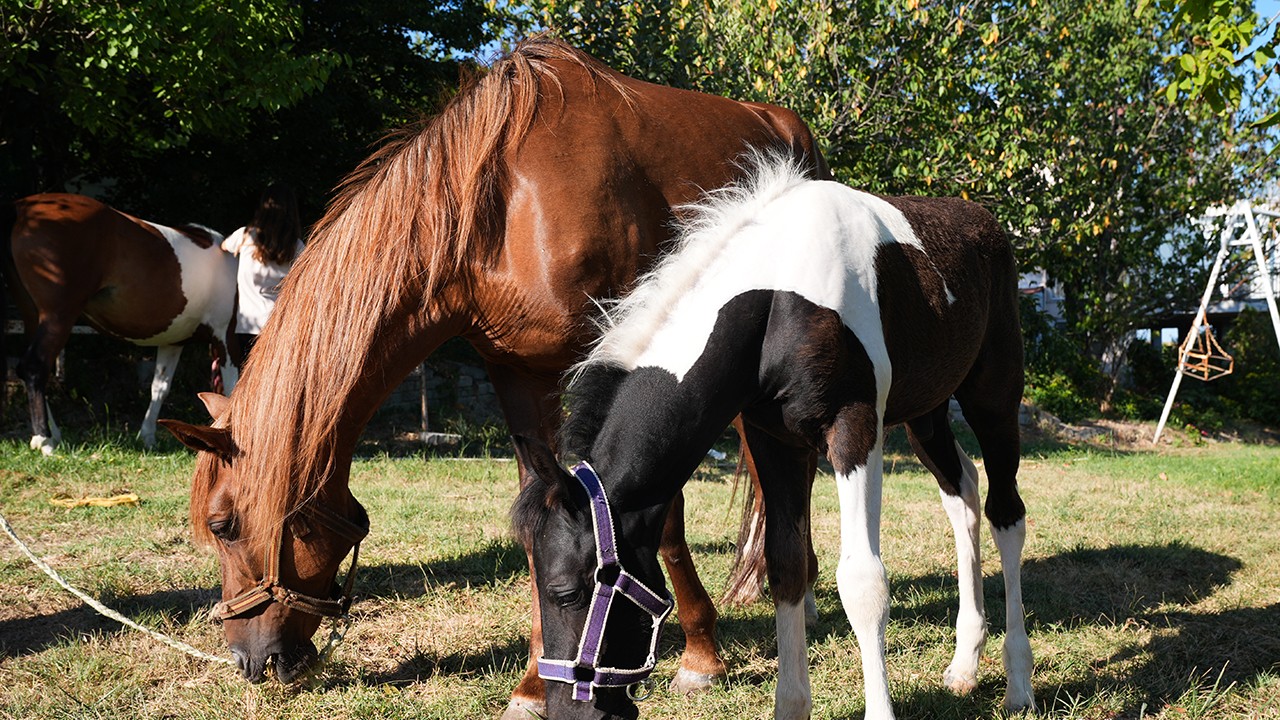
{"x": 454, "y": 390}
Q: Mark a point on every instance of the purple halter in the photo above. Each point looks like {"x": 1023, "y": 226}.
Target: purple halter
{"x": 611, "y": 581}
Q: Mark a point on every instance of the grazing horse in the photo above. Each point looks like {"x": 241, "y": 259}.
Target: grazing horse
{"x": 70, "y": 256}
{"x": 546, "y": 183}
{"x": 819, "y": 314}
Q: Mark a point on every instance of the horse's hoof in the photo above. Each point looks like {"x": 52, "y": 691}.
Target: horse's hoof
{"x": 960, "y": 683}
{"x": 1019, "y": 701}
{"x": 687, "y": 682}
{"x": 43, "y": 444}
{"x": 525, "y": 709}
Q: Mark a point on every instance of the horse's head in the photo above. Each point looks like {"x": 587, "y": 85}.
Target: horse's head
{"x": 599, "y": 587}
{"x": 278, "y": 574}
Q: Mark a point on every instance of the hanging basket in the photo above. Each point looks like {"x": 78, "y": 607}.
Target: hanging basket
{"x": 1203, "y": 358}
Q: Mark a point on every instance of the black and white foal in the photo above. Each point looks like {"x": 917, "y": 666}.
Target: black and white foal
{"x": 820, "y": 314}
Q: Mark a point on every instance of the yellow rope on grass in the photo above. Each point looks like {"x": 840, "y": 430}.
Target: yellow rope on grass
{"x": 67, "y": 501}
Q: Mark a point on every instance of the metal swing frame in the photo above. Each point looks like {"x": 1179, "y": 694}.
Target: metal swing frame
{"x": 1240, "y": 229}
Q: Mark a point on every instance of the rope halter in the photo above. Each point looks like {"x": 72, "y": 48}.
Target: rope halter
{"x": 612, "y": 581}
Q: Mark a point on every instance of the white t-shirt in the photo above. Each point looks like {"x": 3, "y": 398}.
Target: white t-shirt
{"x": 258, "y": 282}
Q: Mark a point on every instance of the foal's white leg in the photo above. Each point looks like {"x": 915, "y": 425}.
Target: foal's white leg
{"x": 864, "y": 588}
{"x": 961, "y": 675}
{"x": 793, "y": 699}
{"x": 1017, "y": 649}
{"x": 166, "y": 362}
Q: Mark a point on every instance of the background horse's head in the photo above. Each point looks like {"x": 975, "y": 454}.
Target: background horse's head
{"x": 278, "y": 577}
{"x": 553, "y": 517}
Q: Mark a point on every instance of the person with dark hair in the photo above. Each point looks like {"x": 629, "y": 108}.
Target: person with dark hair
{"x": 266, "y": 247}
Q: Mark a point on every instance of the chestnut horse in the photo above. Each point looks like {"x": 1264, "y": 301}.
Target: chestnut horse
{"x": 874, "y": 312}
{"x": 70, "y": 256}
{"x": 547, "y": 183}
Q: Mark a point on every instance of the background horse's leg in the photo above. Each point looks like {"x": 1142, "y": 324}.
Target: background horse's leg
{"x": 935, "y": 445}
{"x": 48, "y": 339}
{"x": 990, "y": 397}
{"x": 700, "y": 664}
{"x": 166, "y": 363}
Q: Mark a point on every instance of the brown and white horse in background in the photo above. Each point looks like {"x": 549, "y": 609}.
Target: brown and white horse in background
{"x": 547, "y": 183}
{"x": 70, "y": 256}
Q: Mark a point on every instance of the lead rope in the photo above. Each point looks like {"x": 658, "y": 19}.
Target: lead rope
{"x": 337, "y": 631}
{"x": 103, "y": 609}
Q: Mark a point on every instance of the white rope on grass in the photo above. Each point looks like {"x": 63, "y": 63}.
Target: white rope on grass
{"x": 103, "y": 609}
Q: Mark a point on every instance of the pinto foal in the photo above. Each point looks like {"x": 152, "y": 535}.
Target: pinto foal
{"x": 820, "y": 314}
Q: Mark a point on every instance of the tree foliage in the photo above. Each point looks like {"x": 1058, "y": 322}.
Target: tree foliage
{"x": 1049, "y": 112}
{"x": 1224, "y": 53}
{"x": 184, "y": 109}
{"x": 144, "y": 75}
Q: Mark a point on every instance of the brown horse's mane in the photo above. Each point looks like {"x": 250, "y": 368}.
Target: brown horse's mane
{"x": 421, "y": 212}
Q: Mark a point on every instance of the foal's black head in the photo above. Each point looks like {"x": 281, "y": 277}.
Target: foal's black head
{"x": 553, "y": 517}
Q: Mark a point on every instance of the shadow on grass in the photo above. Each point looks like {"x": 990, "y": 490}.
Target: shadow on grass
{"x": 419, "y": 665}
{"x": 496, "y": 563}
{"x": 29, "y": 635}
{"x": 1150, "y": 585}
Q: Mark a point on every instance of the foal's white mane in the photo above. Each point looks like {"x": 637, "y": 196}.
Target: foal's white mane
{"x": 703, "y": 231}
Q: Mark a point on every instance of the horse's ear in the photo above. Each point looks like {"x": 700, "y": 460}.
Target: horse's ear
{"x": 538, "y": 457}
{"x": 215, "y": 403}
{"x": 202, "y": 438}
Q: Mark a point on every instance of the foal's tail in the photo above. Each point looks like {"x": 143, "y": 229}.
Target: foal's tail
{"x": 746, "y": 577}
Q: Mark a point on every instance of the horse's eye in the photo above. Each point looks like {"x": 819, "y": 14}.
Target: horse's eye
{"x": 570, "y": 599}
{"x": 223, "y": 528}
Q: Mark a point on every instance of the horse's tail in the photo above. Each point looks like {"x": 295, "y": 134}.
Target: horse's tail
{"x": 746, "y": 577}
{"x": 9, "y": 288}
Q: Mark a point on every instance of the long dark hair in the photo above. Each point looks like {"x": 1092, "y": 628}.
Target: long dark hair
{"x": 275, "y": 228}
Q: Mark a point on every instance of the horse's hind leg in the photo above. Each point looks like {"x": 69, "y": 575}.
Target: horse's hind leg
{"x": 934, "y": 444}
{"x": 990, "y": 401}
{"x": 700, "y": 664}
{"x": 166, "y": 363}
{"x": 47, "y": 340}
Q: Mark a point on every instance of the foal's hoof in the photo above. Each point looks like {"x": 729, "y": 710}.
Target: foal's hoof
{"x": 960, "y": 683}
{"x": 525, "y": 709}
{"x": 687, "y": 682}
{"x": 1019, "y": 701}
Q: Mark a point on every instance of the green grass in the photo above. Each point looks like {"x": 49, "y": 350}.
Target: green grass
{"x": 1150, "y": 582}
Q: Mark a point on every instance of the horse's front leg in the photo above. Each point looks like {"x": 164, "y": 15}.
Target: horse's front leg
{"x": 857, "y": 442}
{"x": 700, "y": 664}
{"x": 785, "y": 481}
{"x": 530, "y": 404}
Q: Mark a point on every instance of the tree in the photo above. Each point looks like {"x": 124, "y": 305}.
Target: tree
{"x": 1049, "y": 113}
{"x": 184, "y": 110}
{"x": 145, "y": 76}
{"x": 398, "y": 60}
{"x": 1221, "y": 48}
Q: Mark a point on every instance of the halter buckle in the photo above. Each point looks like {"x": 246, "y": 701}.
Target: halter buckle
{"x": 641, "y": 691}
